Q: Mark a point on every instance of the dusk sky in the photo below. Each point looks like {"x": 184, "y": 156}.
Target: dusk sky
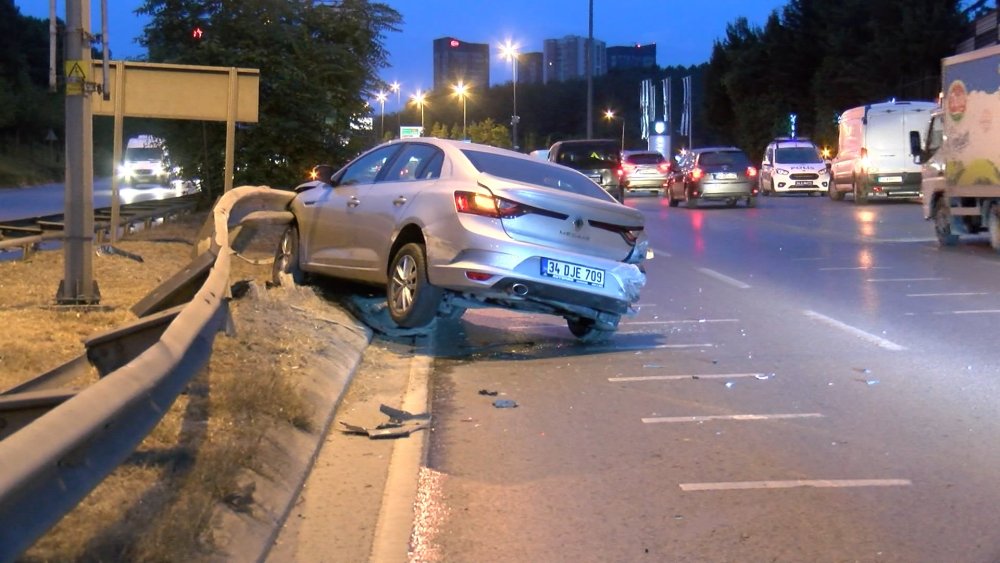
{"x": 683, "y": 31}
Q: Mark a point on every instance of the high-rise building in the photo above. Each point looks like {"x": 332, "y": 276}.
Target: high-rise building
{"x": 632, "y": 56}
{"x": 458, "y": 61}
{"x": 564, "y": 59}
{"x": 529, "y": 68}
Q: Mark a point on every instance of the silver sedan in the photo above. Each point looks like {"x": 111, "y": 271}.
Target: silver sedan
{"x": 448, "y": 225}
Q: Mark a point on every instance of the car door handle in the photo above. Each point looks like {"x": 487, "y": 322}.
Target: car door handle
{"x": 308, "y": 203}
{"x": 353, "y": 202}
{"x": 399, "y": 201}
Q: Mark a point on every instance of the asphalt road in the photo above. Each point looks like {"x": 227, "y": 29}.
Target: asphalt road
{"x": 49, "y": 199}
{"x": 806, "y": 381}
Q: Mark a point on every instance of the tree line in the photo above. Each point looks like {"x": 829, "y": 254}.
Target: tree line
{"x": 320, "y": 62}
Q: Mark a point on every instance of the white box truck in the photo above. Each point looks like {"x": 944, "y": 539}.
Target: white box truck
{"x": 960, "y": 149}
{"x": 873, "y": 156}
{"x": 145, "y": 162}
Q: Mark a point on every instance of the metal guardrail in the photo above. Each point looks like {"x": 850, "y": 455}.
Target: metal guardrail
{"x": 48, "y": 466}
{"x": 30, "y": 232}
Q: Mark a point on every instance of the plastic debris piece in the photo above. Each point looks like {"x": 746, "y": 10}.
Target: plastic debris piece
{"x": 871, "y": 382}
{"x": 729, "y": 384}
{"x": 763, "y": 376}
{"x": 107, "y": 249}
{"x": 396, "y": 415}
{"x": 695, "y": 377}
{"x": 386, "y": 430}
{"x": 651, "y": 366}
{"x": 505, "y": 404}
{"x": 862, "y": 370}
{"x": 489, "y": 393}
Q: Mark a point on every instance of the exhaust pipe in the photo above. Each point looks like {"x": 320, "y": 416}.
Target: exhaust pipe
{"x": 519, "y": 289}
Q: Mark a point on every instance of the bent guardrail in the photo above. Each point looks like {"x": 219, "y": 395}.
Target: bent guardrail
{"x": 51, "y": 464}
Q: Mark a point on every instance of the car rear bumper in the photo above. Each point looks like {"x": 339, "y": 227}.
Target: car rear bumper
{"x": 727, "y": 190}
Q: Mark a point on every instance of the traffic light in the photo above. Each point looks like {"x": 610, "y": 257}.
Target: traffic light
{"x": 197, "y": 33}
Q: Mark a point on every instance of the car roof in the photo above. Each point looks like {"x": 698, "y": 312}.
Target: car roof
{"x": 630, "y": 153}
{"x": 797, "y": 142}
{"x": 572, "y": 142}
{"x": 716, "y": 149}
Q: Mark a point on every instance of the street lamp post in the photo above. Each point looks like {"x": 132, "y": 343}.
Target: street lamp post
{"x": 610, "y": 115}
{"x": 462, "y": 91}
{"x": 395, "y": 87}
{"x": 420, "y": 99}
{"x": 509, "y": 52}
{"x": 381, "y": 97}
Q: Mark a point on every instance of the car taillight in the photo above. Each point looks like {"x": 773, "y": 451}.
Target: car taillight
{"x": 620, "y": 171}
{"x": 697, "y": 173}
{"x": 664, "y": 167}
{"x": 497, "y": 207}
{"x": 751, "y": 171}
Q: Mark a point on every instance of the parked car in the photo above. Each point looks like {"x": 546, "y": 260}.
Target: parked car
{"x": 447, "y": 225}
{"x": 598, "y": 159}
{"x": 793, "y": 165}
{"x": 714, "y": 174}
{"x": 643, "y": 171}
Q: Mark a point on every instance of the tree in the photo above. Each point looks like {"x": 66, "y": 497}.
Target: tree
{"x": 318, "y": 63}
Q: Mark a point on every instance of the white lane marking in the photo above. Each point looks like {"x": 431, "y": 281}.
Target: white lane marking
{"x": 904, "y": 279}
{"x": 906, "y": 239}
{"x": 686, "y": 321}
{"x": 682, "y": 377}
{"x": 735, "y": 417}
{"x": 854, "y": 268}
{"x": 878, "y": 341}
{"x": 979, "y": 312}
{"x": 815, "y": 483}
{"x": 945, "y": 294}
{"x": 629, "y": 348}
{"x": 724, "y": 278}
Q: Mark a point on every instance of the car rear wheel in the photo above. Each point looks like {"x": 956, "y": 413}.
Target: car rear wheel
{"x": 671, "y": 200}
{"x": 689, "y": 202}
{"x": 994, "y": 224}
{"x": 833, "y": 192}
{"x": 412, "y": 300}
{"x": 860, "y": 192}
{"x": 942, "y": 223}
{"x": 586, "y": 330}
{"x": 286, "y": 259}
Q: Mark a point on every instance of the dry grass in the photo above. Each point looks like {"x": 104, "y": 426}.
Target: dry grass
{"x": 159, "y": 505}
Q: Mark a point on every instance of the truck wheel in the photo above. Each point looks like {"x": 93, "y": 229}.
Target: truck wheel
{"x": 942, "y": 223}
{"x": 860, "y": 192}
{"x": 994, "y": 222}
{"x": 833, "y": 192}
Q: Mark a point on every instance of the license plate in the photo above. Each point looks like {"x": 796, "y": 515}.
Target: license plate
{"x": 891, "y": 179}
{"x": 725, "y": 176}
{"x": 572, "y": 272}
{"x": 803, "y": 183}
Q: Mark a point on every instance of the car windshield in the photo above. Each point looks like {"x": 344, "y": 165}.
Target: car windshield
{"x": 645, "y": 158}
{"x": 588, "y": 156}
{"x": 531, "y": 172}
{"x": 798, "y": 155}
{"x": 143, "y": 153}
{"x": 732, "y": 158}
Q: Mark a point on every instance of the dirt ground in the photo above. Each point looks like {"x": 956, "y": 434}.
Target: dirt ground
{"x": 163, "y": 503}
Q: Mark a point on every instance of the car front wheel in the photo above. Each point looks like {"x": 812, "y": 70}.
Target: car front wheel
{"x": 286, "y": 258}
{"x": 942, "y": 223}
{"x": 412, "y": 300}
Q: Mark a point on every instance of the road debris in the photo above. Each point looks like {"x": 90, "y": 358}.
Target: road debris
{"x": 401, "y": 424}
{"x": 108, "y": 250}
{"x": 505, "y": 404}
{"x": 488, "y": 393}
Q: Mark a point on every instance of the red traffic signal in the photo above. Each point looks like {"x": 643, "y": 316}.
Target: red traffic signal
{"x": 196, "y": 33}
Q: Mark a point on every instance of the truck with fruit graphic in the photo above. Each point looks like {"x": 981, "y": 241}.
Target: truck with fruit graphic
{"x": 960, "y": 150}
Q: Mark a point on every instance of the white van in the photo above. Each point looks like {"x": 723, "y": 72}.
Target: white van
{"x": 145, "y": 162}
{"x": 873, "y": 157}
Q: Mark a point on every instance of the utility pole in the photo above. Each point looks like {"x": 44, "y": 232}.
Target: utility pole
{"x": 78, "y": 286}
{"x": 589, "y": 61}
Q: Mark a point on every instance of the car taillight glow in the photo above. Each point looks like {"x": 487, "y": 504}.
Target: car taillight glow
{"x": 488, "y": 206}
{"x": 477, "y": 276}
{"x": 751, "y": 171}
{"x": 664, "y": 167}
{"x": 697, "y": 173}
{"x": 620, "y": 171}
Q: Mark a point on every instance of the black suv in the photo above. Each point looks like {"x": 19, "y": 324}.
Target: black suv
{"x": 598, "y": 159}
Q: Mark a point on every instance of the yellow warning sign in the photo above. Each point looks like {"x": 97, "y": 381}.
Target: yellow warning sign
{"x": 76, "y": 76}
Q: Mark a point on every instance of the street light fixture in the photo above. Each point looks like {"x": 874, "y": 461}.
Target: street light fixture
{"x": 509, "y": 52}
{"x": 395, "y": 87}
{"x": 462, "y": 91}
{"x": 610, "y": 115}
{"x": 381, "y": 97}
{"x": 420, "y": 99}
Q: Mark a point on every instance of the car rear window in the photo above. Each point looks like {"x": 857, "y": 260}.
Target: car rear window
{"x": 718, "y": 158}
{"x": 531, "y": 172}
{"x": 645, "y": 158}
{"x": 798, "y": 155}
{"x": 588, "y": 156}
